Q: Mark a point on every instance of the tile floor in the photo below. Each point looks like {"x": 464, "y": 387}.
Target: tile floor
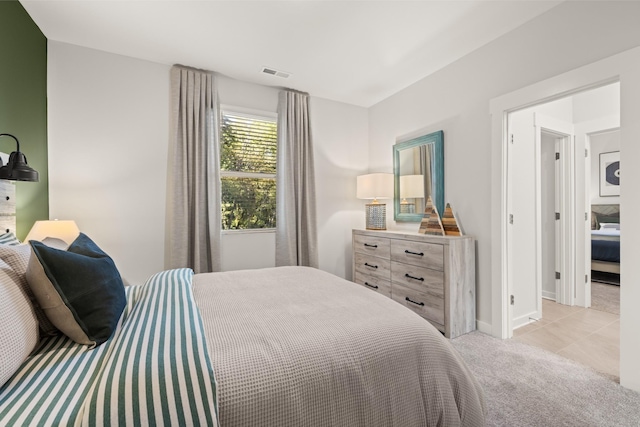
{"x": 588, "y": 336}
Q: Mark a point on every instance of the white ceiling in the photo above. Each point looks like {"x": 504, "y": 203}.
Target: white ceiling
{"x": 358, "y": 52}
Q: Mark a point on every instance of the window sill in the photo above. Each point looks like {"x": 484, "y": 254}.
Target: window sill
{"x": 250, "y": 231}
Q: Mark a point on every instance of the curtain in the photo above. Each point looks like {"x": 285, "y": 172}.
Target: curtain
{"x": 426, "y": 169}
{"x": 296, "y": 232}
{"x": 193, "y": 202}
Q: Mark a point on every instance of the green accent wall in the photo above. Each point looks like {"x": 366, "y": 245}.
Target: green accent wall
{"x": 23, "y": 107}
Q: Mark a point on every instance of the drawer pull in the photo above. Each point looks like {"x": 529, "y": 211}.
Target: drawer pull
{"x": 413, "y": 302}
{"x": 413, "y": 277}
{"x": 369, "y": 265}
{"x": 414, "y": 253}
{"x": 370, "y": 246}
{"x": 370, "y": 285}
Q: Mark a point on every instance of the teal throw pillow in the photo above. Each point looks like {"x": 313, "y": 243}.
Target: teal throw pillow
{"x": 80, "y": 290}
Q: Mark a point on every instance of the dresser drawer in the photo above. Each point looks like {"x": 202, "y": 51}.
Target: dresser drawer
{"x": 418, "y": 278}
{"x": 376, "y": 246}
{"x": 426, "y": 304}
{"x": 376, "y": 284}
{"x": 373, "y": 266}
{"x": 429, "y": 255}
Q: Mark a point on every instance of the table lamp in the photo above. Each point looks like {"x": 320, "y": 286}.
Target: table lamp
{"x": 375, "y": 186}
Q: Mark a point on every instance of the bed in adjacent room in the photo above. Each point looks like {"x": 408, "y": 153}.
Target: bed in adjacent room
{"x": 287, "y": 346}
{"x": 605, "y": 238}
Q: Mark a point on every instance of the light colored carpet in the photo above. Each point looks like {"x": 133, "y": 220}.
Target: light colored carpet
{"x": 528, "y": 386}
{"x": 605, "y": 297}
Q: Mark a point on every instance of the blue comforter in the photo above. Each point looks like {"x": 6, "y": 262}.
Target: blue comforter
{"x": 605, "y": 250}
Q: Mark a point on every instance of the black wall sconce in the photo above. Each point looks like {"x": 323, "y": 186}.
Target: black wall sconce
{"x": 17, "y": 168}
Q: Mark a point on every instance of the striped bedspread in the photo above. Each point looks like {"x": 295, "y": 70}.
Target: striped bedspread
{"x": 154, "y": 370}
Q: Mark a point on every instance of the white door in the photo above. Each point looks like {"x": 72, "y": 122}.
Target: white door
{"x": 550, "y": 225}
{"x": 525, "y": 248}
{"x": 562, "y": 134}
{"x": 522, "y": 260}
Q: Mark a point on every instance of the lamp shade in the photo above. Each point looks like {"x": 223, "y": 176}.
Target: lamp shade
{"x": 63, "y": 230}
{"x": 17, "y": 168}
{"x": 412, "y": 186}
{"x": 375, "y": 186}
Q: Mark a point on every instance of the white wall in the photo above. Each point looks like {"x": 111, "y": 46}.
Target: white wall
{"x": 456, "y": 100}
{"x": 340, "y": 149}
{"x": 108, "y": 143}
{"x": 107, "y": 135}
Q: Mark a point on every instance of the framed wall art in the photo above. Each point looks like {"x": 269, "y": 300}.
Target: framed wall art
{"x": 610, "y": 174}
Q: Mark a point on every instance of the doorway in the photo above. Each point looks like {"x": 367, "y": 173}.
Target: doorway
{"x": 548, "y": 200}
{"x": 624, "y": 68}
{"x": 542, "y": 202}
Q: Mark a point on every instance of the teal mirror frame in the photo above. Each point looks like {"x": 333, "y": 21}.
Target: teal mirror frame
{"x": 436, "y": 139}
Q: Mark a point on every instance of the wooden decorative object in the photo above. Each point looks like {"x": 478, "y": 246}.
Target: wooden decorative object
{"x": 449, "y": 222}
{"x": 427, "y": 213}
{"x": 431, "y": 223}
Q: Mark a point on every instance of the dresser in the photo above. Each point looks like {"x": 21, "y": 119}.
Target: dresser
{"x": 435, "y": 276}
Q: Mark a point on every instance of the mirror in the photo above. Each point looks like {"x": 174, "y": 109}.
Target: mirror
{"x": 418, "y": 169}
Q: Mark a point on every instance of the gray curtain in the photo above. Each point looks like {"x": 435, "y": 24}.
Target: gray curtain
{"x": 193, "y": 203}
{"x": 296, "y": 232}
{"x": 426, "y": 168}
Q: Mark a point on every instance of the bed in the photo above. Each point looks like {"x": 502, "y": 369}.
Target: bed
{"x": 287, "y": 346}
{"x": 605, "y": 238}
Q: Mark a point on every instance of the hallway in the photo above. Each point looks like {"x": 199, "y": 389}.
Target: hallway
{"x": 590, "y": 336}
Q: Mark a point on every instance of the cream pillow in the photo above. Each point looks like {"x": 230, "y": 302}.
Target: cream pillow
{"x": 17, "y": 257}
{"x": 18, "y": 324}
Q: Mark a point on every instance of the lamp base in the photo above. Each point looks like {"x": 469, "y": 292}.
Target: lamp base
{"x": 407, "y": 207}
{"x": 376, "y": 215}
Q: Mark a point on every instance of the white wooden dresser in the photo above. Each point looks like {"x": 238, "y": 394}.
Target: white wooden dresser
{"x": 7, "y": 207}
{"x": 434, "y": 276}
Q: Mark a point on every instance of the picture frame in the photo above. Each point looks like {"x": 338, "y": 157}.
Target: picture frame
{"x": 610, "y": 174}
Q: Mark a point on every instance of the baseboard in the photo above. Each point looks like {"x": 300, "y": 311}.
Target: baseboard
{"x": 549, "y": 295}
{"x": 525, "y": 320}
{"x": 483, "y": 327}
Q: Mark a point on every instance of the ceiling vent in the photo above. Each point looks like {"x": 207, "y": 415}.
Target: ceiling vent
{"x": 276, "y": 73}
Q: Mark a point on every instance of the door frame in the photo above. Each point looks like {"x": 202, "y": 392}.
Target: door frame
{"x": 625, "y": 68}
{"x": 565, "y": 194}
{"x": 584, "y": 131}
{"x": 564, "y": 132}
{"x": 588, "y": 77}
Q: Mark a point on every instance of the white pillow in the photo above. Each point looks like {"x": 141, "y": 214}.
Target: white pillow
{"x": 18, "y": 324}
{"x": 609, "y": 226}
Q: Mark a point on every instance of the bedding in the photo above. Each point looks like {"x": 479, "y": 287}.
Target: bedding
{"x": 605, "y": 234}
{"x": 289, "y": 346}
{"x": 605, "y": 238}
{"x": 153, "y": 370}
{"x": 605, "y": 250}
{"x": 295, "y": 346}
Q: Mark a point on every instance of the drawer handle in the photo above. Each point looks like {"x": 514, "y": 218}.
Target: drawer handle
{"x": 370, "y": 246}
{"x": 413, "y": 277}
{"x": 371, "y": 286}
{"x": 414, "y": 253}
{"x": 413, "y": 302}
{"x": 369, "y": 265}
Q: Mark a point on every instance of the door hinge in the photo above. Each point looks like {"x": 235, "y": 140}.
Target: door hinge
{"x": 512, "y": 299}
{"x": 557, "y": 215}
{"x": 557, "y": 274}
{"x": 586, "y": 152}
{"x": 586, "y": 278}
{"x": 586, "y": 216}
{"x": 512, "y": 138}
{"x": 557, "y": 156}
{"x": 510, "y": 218}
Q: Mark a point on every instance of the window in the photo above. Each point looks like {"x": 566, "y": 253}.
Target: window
{"x": 248, "y": 171}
